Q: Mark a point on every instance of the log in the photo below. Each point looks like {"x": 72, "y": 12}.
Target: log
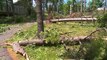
{"x": 75, "y": 40}
{"x": 62, "y": 40}
{"x": 35, "y": 42}
{"x": 18, "y": 49}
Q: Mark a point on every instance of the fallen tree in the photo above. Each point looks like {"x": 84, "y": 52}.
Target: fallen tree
{"x": 63, "y": 40}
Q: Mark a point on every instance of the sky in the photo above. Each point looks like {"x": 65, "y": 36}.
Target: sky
{"x": 15, "y": 1}
{"x": 64, "y": 1}
{"x": 67, "y": 0}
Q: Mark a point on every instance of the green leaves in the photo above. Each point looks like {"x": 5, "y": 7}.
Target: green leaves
{"x": 3, "y": 27}
{"x": 51, "y": 35}
{"x": 102, "y": 20}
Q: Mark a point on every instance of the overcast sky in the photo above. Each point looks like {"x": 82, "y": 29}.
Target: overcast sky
{"x": 15, "y": 1}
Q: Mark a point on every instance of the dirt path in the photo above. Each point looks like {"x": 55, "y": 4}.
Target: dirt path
{"x": 4, "y": 52}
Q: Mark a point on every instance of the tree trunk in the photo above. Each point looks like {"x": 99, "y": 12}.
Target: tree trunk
{"x": 39, "y": 17}
{"x": 81, "y": 7}
{"x": 29, "y": 7}
{"x": 12, "y": 5}
{"x": 7, "y": 8}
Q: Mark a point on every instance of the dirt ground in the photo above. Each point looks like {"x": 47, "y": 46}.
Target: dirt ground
{"x": 8, "y": 53}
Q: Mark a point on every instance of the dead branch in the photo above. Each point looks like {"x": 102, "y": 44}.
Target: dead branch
{"x": 90, "y": 35}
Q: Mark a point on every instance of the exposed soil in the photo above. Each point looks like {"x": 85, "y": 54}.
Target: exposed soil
{"x": 4, "y": 55}
{"x": 12, "y": 54}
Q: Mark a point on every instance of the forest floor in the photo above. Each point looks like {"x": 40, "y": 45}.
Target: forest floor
{"x": 7, "y": 53}
{"x": 53, "y": 32}
{"x": 27, "y": 31}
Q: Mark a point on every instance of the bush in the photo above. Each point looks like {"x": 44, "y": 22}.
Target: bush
{"x": 19, "y": 19}
{"x": 6, "y": 20}
{"x": 3, "y": 27}
{"x": 95, "y": 50}
{"x": 51, "y": 35}
{"x": 102, "y": 20}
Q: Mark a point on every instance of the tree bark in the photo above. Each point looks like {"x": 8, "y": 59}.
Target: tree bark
{"x": 7, "y": 7}
{"x": 39, "y": 17}
{"x": 12, "y": 5}
{"x": 63, "y": 40}
{"x": 18, "y": 49}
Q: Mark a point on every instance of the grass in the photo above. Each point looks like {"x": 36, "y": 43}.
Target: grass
{"x": 25, "y": 34}
{"x": 77, "y": 29}
{"x": 53, "y": 52}
{"x": 45, "y": 53}
{"x": 3, "y": 27}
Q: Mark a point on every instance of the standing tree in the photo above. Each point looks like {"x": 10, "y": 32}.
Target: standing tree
{"x": 27, "y": 5}
{"x": 94, "y": 4}
{"x": 39, "y": 17}
{"x": 12, "y": 5}
{"x": 7, "y": 7}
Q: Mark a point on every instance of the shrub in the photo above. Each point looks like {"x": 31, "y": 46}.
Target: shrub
{"x": 6, "y": 20}
{"x": 95, "y": 50}
{"x": 19, "y": 19}
{"x": 102, "y": 20}
{"x": 51, "y": 35}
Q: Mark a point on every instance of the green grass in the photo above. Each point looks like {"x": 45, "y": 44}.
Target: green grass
{"x": 25, "y": 34}
{"x": 45, "y": 53}
{"x": 77, "y": 29}
{"x": 3, "y": 27}
{"x": 53, "y": 52}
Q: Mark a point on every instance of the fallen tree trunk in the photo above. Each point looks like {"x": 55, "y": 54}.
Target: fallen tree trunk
{"x": 18, "y": 49}
{"x": 35, "y": 42}
{"x": 75, "y": 40}
{"x": 40, "y": 42}
{"x": 63, "y": 40}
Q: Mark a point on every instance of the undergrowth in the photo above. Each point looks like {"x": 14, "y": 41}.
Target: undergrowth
{"x": 25, "y": 34}
{"x": 45, "y": 53}
{"x": 51, "y": 34}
